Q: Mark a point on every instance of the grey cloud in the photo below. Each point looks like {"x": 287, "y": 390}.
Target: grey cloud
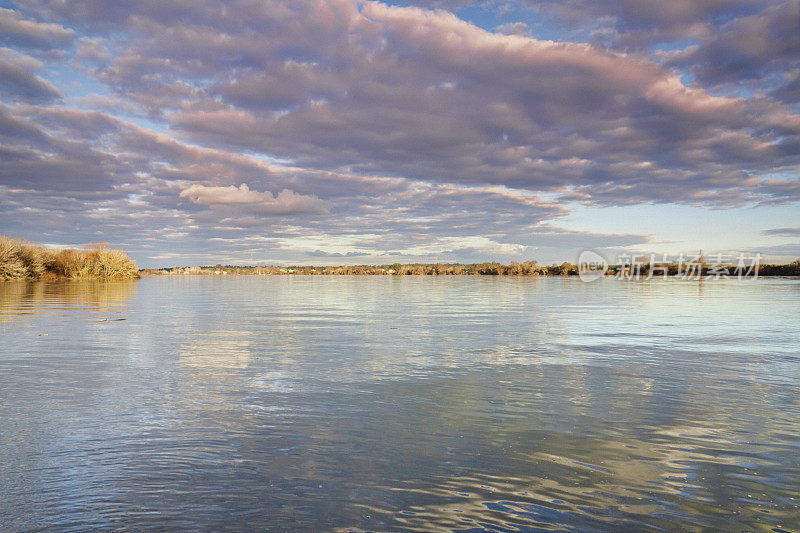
{"x": 496, "y": 110}
{"x": 737, "y": 42}
{"x": 101, "y": 15}
{"x": 779, "y": 252}
{"x": 749, "y": 48}
{"x": 46, "y": 163}
{"x": 628, "y": 22}
{"x": 789, "y": 232}
{"x": 402, "y": 92}
{"x": 638, "y": 24}
{"x": 18, "y": 82}
{"x": 789, "y": 91}
{"x": 734, "y": 41}
{"x": 93, "y": 51}
{"x": 779, "y": 191}
{"x": 15, "y": 30}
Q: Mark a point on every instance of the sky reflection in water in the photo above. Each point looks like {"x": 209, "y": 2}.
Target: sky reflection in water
{"x": 384, "y": 403}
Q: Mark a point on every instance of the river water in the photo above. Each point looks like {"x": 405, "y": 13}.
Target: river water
{"x": 400, "y": 403}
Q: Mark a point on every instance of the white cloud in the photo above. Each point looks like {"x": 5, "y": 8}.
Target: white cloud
{"x": 265, "y": 203}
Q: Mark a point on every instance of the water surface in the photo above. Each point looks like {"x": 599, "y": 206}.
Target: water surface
{"x": 400, "y": 403}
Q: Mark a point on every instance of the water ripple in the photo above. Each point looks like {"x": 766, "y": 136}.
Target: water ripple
{"x": 419, "y": 404}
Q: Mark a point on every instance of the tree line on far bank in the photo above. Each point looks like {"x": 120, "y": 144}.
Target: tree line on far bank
{"x": 526, "y": 268}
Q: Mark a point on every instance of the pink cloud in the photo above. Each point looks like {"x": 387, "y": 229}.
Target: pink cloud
{"x": 285, "y": 203}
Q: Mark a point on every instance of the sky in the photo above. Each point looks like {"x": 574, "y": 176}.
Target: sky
{"x": 198, "y": 132}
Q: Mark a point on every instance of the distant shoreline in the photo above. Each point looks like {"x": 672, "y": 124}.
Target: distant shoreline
{"x": 527, "y": 269}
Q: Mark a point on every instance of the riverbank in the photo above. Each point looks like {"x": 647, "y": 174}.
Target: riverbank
{"x": 20, "y": 260}
{"x": 527, "y": 268}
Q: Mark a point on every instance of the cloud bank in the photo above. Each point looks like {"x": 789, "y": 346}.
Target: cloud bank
{"x": 387, "y": 130}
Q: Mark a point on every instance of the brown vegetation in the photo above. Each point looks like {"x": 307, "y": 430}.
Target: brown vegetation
{"x": 24, "y": 260}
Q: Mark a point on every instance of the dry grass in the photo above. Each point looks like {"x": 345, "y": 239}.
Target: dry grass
{"x": 24, "y": 260}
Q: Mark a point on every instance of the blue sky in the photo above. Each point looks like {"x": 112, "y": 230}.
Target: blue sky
{"x": 348, "y": 131}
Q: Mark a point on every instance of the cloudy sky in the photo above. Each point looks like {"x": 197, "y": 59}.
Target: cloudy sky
{"x": 345, "y": 131}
